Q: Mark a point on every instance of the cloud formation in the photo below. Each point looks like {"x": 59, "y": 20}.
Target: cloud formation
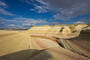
{"x": 3, "y": 10}
{"x": 2, "y": 4}
{"x": 79, "y": 22}
{"x": 30, "y": 21}
{"x": 66, "y": 9}
{"x": 21, "y": 22}
{"x": 12, "y": 25}
{"x": 40, "y": 9}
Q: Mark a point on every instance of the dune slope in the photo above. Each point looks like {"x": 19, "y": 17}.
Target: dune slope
{"x": 47, "y": 43}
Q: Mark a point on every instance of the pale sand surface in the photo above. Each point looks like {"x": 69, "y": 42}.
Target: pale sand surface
{"x": 28, "y": 45}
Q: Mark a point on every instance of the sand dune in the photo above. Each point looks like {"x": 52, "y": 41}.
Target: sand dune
{"x": 46, "y": 43}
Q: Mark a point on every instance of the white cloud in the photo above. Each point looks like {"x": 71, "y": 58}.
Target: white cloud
{"x": 30, "y": 21}
{"x": 5, "y": 12}
{"x": 43, "y": 8}
{"x": 11, "y": 25}
{"x": 79, "y": 22}
{"x": 33, "y": 22}
{"x": 40, "y": 9}
{"x": 25, "y": 21}
{"x": 21, "y": 22}
{"x": 3, "y": 4}
{"x": 42, "y": 2}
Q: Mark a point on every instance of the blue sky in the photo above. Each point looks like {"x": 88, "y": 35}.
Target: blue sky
{"x": 27, "y": 13}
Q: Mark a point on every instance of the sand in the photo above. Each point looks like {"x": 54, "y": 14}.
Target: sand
{"x": 45, "y": 44}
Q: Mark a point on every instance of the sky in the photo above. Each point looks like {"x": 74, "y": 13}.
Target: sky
{"x": 27, "y": 13}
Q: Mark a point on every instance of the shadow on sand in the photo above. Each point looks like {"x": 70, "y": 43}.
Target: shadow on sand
{"x": 28, "y": 55}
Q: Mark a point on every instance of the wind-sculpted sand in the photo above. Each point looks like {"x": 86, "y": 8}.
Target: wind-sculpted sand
{"x": 45, "y": 43}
